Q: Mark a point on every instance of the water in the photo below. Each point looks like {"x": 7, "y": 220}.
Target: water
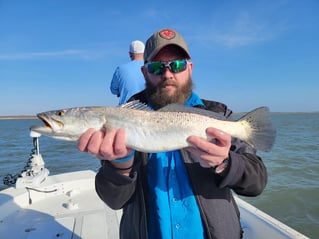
{"x": 291, "y": 196}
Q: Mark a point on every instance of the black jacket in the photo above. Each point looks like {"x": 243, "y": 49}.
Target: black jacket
{"x": 246, "y": 175}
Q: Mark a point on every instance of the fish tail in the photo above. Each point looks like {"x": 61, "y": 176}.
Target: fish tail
{"x": 262, "y": 132}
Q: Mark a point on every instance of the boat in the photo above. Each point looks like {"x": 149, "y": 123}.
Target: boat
{"x": 65, "y": 206}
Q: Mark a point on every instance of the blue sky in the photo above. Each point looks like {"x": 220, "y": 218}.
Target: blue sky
{"x": 58, "y": 54}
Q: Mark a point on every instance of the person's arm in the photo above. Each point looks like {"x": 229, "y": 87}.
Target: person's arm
{"x": 235, "y": 162}
{"x": 114, "y": 188}
{"x": 246, "y": 173}
{"x": 115, "y": 181}
{"x": 115, "y": 83}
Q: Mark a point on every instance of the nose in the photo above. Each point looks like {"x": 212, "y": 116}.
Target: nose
{"x": 167, "y": 73}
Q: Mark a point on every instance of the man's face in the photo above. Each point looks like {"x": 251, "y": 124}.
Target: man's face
{"x": 168, "y": 87}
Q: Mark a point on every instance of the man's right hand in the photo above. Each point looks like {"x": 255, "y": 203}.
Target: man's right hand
{"x": 106, "y": 145}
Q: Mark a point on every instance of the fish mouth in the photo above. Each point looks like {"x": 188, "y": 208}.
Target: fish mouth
{"x": 50, "y": 123}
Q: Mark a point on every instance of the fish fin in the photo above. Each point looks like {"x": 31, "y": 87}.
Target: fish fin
{"x": 136, "y": 105}
{"x": 263, "y": 133}
{"x": 185, "y": 109}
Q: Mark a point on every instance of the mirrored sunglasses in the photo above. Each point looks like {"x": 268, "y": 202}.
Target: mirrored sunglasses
{"x": 158, "y": 67}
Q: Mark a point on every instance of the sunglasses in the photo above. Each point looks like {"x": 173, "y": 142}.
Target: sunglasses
{"x": 158, "y": 67}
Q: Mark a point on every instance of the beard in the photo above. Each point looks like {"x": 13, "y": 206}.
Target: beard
{"x": 159, "y": 98}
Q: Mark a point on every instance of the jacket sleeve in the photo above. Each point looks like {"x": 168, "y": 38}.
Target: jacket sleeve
{"x": 113, "y": 188}
{"x": 246, "y": 173}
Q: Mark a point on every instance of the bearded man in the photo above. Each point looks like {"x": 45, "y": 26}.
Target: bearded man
{"x": 183, "y": 193}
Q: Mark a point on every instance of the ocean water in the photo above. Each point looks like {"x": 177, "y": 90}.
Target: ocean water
{"x": 291, "y": 195}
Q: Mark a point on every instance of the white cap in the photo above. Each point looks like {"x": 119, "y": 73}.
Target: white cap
{"x": 137, "y": 47}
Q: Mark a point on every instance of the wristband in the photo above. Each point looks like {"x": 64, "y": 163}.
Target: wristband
{"x": 125, "y": 159}
{"x": 123, "y": 168}
{"x": 220, "y": 168}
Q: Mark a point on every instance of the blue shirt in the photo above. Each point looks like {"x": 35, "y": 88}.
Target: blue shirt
{"x": 172, "y": 208}
{"x": 127, "y": 80}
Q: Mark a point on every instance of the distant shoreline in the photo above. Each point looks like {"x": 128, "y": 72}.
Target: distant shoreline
{"x": 18, "y": 117}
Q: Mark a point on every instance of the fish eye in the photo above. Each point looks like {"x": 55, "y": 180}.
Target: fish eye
{"x": 59, "y": 113}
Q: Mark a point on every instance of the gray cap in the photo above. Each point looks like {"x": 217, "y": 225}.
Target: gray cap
{"x": 161, "y": 39}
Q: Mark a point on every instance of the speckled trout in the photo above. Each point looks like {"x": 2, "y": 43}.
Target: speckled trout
{"x": 155, "y": 131}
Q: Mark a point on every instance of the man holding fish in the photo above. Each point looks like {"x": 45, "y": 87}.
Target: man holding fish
{"x": 183, "y": 193}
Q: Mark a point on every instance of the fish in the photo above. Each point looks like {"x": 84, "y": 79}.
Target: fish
{"x": 162, "y": 130}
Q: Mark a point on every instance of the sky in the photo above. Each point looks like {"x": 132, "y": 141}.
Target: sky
{"x": 58, "y": 54}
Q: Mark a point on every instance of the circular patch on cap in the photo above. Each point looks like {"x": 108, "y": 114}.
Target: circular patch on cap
{"x": 167, "y": 34}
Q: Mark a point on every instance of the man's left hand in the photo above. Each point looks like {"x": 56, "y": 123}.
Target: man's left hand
{"x": 213, "y": 151}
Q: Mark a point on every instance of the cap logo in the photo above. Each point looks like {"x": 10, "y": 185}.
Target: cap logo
{"x": 167, "y": 34}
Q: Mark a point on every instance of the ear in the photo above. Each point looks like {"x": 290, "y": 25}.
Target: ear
{"x": 144, "y": 71}
{"x": 190, "y": 66}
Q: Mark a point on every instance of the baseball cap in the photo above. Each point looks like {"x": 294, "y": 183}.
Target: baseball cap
{"x": 161, "y": 39}
{"x": 137, "y": 47}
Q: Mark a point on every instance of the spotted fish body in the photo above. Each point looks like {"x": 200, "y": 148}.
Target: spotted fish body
{"x": 157, "y": 131}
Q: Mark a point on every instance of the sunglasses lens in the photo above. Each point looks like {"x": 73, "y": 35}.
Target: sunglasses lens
{"x": 155, "y": 68}
{"x": 178, "y": 66}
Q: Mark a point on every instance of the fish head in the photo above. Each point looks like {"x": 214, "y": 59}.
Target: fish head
{"x": 68, "y": 124}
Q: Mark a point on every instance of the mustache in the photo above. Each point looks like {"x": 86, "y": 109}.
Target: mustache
{"x": 152, "y": 89}
{"x": 167, "y": 82}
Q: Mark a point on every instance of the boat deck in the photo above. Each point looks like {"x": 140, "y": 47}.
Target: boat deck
{"x": 66, "y": 206}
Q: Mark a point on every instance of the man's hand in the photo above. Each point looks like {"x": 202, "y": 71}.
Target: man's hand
{"x": 210, "y": 153}
{"x": 106, "y": 145}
